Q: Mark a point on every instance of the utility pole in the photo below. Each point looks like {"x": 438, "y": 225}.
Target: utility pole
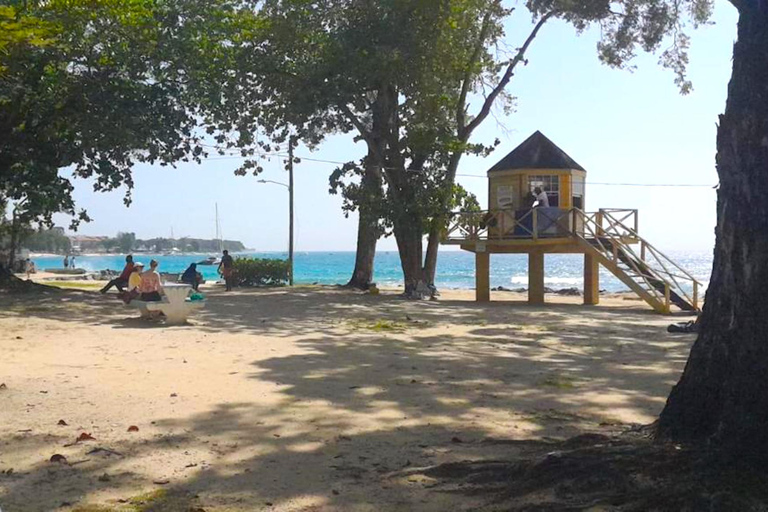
{"x": 291, "y": 142}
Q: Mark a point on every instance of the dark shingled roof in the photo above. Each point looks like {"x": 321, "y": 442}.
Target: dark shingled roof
{"x": 536, "y": 152}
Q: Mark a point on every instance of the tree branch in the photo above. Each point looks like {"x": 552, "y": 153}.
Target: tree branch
{"x": 368, "y": 138}
{"x": 461, "y": 112}
{"x": 486, "y": 108}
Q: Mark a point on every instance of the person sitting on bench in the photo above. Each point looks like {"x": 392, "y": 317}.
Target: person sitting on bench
{"x": 134, "y": 283}
{"x": 191, "y": 277}
{"x": 151, "y": 287}
{"x": 121, "y": 280}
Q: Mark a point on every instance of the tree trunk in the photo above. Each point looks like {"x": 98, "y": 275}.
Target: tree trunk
{"x": 367, "y": 236}
{"x": 722, "y": 397}
{"x": 14, "y": 242}
{"x": 408, "y": 236}
{"x": 368, "y": 231}
{"x": 433, "y": 244}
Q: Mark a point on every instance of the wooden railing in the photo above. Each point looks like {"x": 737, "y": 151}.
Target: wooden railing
{"x": 611, "y": 231}
{"x": 657, "y": 271}
{"x": 535, "y": 223}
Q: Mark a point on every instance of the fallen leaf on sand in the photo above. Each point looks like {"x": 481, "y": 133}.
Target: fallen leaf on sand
{"x": 44, "y": 392}
{"x": 174, "y": 395}
{"x": 104, "y": 450}
{"x": 62, "y": 423}
{"x": 456, "y": 440}
{"x": 161, "y": 482}
{"x": 133, "y": 428}
{"x": 3, "y": 386}
{"x": 104, "y": 478}
{"x": 58, "y": 458}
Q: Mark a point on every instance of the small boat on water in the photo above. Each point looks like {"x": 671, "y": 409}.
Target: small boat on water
{"x": 212, "y": 260}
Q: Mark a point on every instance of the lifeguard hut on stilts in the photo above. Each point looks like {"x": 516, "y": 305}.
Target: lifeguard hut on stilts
{"x": 607, "y": 237}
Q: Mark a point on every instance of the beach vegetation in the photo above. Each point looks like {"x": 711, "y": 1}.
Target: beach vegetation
{"x": 261, "y": 271}
{"x": 48, "y": 241}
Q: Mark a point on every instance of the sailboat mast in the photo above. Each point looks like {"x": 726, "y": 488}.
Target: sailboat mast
{"x": 218, "y": 229}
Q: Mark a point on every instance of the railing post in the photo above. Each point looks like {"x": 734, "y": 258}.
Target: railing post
{"x": 695, "y": 295}
{"x": 642, "y": 251}
{"x": 636, "y": 222}
{"x": 535, "y": 223}
{"x": 599, "y": 222}
{"x": 502, "y": 229}
{"x": 573, "y": 227}
{"x": 666, "y": 298}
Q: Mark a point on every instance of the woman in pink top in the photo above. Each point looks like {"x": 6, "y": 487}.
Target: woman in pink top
{"x": 151, "y": 287}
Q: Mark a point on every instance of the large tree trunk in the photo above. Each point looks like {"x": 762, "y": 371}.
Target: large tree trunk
{"x": 722, "y": 397}
{"x": 433, "y": 244}
{"x": 368, "y": 230}
{"x": 408, "y": 236}
{"x": 367, "y": 236}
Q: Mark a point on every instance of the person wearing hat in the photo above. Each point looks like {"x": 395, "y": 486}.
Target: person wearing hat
{"x": 134, "y": 283}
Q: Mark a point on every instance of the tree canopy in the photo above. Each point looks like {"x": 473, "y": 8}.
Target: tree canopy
{"x": 90, "y": 87}
{"x": 413, "y": 79}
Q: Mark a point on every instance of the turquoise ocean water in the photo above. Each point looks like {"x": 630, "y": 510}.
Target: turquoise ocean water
{"x": 456, "y": 269}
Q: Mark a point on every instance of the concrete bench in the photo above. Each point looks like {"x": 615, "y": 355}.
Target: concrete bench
{"x": 175, "y": 305}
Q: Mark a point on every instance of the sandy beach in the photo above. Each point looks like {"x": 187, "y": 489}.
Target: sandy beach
{"x": 307, "y": 399}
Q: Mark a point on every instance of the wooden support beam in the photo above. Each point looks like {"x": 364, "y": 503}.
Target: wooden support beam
{"x": 535, "y": 277}
{"x": 591, "y": 280}
{"x": 482, "y": 277}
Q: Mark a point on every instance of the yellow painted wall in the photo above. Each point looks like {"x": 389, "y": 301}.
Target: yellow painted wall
{"x": 518, "y": 179}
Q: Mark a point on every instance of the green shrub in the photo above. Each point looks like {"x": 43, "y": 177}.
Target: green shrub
{"x": 260, "y": 272}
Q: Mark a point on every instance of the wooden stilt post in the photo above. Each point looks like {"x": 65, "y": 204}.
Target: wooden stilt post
{"x": 591, "y": 280}
{"x": 482, "y": 276}
{"x": 536, "y": 277}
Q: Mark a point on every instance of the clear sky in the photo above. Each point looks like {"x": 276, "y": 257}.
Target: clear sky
{"x": 622, "y": 126}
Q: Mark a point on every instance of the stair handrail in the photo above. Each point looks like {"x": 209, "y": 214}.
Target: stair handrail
{"x": 659, "y": 254}
{"x": 600, "y": 237}
{"x": 660, "y": 258}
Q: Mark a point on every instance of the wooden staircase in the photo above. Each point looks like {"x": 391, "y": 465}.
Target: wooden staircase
{"x": 654, "y": 277}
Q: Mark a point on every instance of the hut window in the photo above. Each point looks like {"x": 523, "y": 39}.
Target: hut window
{"x": 578, "y": 192}
{"x": 549, "y": 184}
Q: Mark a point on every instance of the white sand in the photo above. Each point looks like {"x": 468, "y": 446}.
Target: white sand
{"x": 310, "y": 398}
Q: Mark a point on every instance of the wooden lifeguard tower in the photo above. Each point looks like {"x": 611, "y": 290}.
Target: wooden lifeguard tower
{"x": 607, "y": 237}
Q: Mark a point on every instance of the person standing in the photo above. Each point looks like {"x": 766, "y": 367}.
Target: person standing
{"x": 66, "y": 261}
{"x": 226, "y": 269}
{"x": 541, "y": 198}
{"x": 121, "y": 280}
{"x": 72, "y": 262}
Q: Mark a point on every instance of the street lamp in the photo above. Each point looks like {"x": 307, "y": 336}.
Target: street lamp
{"x": 289, "y": 186}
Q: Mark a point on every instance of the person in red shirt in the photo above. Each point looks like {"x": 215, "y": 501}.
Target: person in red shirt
{"x": 121, "y": 280}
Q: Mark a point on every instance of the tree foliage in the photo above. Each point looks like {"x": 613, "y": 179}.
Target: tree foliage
{"x": 413, "y": 79}
{"x": 90, "y": 87}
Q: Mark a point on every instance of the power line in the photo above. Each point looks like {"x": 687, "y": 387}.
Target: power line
{"x": 600, "y": 183}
